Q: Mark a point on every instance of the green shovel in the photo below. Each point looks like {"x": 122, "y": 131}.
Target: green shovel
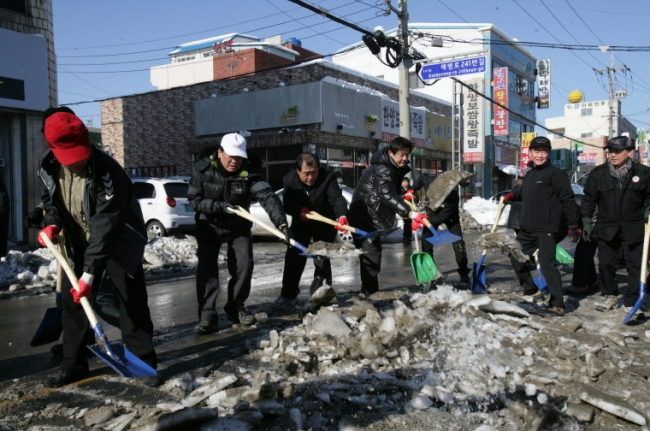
{"x": 422, "y": 263}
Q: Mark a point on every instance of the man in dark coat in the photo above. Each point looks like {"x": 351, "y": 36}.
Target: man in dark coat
{"x": 449, "y": 215}
{"x": 87, "y": 193}
{"x": 375, "y": 202}
{"x": 309, "y": 188}
{"x": 548, "y": 205}
{"x": 219, "y": 183}
{"x": 620, "y": 189}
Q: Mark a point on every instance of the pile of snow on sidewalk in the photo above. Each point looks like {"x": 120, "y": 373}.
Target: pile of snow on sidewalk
{"x": 484, "y": 211}
{"x": 37, "y": 268}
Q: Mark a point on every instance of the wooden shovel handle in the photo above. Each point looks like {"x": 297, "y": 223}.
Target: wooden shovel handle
{"x": 496, "y": 221}
{"x": 415, "y": 208}
{"x": 241, "y": 212}
{"x": 90, "y": 313}
{"x": 313, "y": 215}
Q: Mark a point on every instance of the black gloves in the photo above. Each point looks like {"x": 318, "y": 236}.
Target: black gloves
{"x": 34, "y": 219}
{"x": 288, "y": 235}
{"x": 223, "y": 206}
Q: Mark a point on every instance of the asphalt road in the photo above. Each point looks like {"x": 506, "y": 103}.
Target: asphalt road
{"x": 174, "y": 309}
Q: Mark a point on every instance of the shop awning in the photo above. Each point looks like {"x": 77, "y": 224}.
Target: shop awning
{"x": 508, "y": 169}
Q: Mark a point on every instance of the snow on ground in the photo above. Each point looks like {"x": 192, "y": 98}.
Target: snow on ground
{"x": 485, "y": 211}
{"x": 37, "y": 268}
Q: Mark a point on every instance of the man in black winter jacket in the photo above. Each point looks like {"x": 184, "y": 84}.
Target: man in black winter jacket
{"x": 220, "y": 182}
{"x": 620, "y": 190}
{"x": 375, "y": 202}
{"x": 449, "y": 215}
{"x": 548, "y": 205}
{"x": 87, "y": 193}
{"x": 309, "y": 188}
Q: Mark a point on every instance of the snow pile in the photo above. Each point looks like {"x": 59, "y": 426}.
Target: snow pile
{"x": 484, "y": 211}
{"x": 37, "y": 268}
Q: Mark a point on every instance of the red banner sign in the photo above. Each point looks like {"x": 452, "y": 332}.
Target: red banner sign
{"x": 500, "y": 76}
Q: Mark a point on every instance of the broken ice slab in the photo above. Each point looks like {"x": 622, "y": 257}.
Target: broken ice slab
{"x": 443, "y": 185}
{"x": 321, "y": 297}
{"x": 203, "y": 392}
{"x": 504, "y": 308}
{"x": 504, "y": 242}
{"x": 611, "y": 404}
{"x": 332, "y": 250}
{"x": 329, "y": 323}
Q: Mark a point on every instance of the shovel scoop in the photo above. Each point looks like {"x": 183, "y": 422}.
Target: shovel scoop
{"x": 437, "y": 238}
{"x": 644, "y": 275}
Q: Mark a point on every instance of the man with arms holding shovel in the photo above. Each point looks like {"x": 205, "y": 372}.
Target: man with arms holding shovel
{"x": 375, "y": 202}
{"x": 309, "y": 188}
{"x": 219, "y": 183}
{"x": 548, "y": 205}
{"x": 88, "y": 193}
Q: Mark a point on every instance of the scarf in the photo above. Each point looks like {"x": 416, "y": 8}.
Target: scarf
{"x": 621, "y": 173}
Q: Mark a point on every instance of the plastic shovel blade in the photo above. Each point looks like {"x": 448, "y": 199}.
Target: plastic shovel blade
{"x": 637, "y": 304}
{"x": 562, "y": 256}
{"x": 442, "y": 238}
{"x": 127, "y": 364}
{"x": 50, "y": 328}
{"x": 362, "y": 234}
{"x": 423, "y": 267}
{"x": 541, "y": 282}
{"x": 478, "y": 277}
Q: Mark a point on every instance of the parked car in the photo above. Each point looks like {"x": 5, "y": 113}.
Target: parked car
{"x": 257, "y": 211}
{"x": 164, "y": 205}
{"x": 577, "y": 191}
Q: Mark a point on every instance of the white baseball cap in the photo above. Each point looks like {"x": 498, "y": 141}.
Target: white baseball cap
{"x": 234, "y": 145}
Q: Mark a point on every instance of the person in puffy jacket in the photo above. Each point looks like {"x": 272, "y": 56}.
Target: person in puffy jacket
{"x": 220, "y": 182}
{"x": 309, "y": 188}
{"x": 620, "y": 190}
{"x": 375, "y": 203}
{"x": 87, "y": 193}
{"x": 548, "y": 208}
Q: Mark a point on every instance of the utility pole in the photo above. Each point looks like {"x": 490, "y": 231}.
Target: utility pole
{"x": 611, "y": 72}
{"x": 404, "y": 92}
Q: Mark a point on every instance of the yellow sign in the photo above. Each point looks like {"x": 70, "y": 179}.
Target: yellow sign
{"x": 437, "y": 135}
{"x": 526, "y": 138}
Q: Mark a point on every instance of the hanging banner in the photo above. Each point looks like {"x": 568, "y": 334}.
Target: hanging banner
{"x": 473, "y": 121}
{"x": 526, "y": 138}
{"x": 544, "y": 84}
{"x": 390, "y": 123}
{"x": 500, "y": 82}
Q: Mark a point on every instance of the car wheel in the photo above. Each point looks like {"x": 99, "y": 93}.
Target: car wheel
{"x": 343, "y": 237}
{"x": 155, "y": 229}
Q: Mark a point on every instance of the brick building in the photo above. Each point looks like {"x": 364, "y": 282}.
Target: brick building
{"x": 253, "y": 88}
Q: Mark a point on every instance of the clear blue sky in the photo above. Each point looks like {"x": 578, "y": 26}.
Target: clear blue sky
{"x": 105, "y": 48}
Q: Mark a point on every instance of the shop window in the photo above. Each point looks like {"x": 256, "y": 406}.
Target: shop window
{"x": 18, "y": 6}
{"x": 283, "y": 153}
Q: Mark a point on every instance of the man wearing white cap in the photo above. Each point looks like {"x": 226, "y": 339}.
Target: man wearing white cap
{"x": 219, "y": 182}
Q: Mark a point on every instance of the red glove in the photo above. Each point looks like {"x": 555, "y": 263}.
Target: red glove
{"x": 304, "y": 210}
{"x": 51, "y": 231}
{"x": 507, "y": 197}
{"x": 415, "y": 226}
{"x": 409, "y": 195}
{"x": 343, "y": 221}
{"x": 418, "y": 217}
{"x": 574, "y": 233}
{"x": 85, "y": 288}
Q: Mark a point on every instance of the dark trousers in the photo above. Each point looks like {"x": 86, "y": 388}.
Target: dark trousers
{"x": 584, "y": 267}
{"x": 607, "y": 252}
{"x": 459, "y": 246}
{"x": 294, "y": 264}
{"x": 406, "y": 227}
{"x": 240, "y": 268}
{"x": 369, "y": 263}
{"x": 545, "y": 242}
{"x": 135, "y": 318}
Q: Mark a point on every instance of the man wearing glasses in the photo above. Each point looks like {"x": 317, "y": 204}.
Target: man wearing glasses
{"x": 548, "y": 208}
{"x": 620, "y": 188}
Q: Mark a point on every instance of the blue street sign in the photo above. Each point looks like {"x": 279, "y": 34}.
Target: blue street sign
{"x": 453, "y": 68}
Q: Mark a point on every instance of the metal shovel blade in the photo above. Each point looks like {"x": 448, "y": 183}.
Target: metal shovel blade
{"x": 442, "y": 238}
{"x": 423, "y": 267}
{"x": 126, "y": 363}
{"x": 637, "y": 304}
{"x": 478, "y": 277}
{"x": 50, "y": 328}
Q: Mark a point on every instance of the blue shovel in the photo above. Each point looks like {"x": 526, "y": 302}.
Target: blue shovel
{"x": 437, "y": 238}
{"x": 478, "y": 270}
{"x": 644, "y": 274}
{"x": 541, "y": 281}
{"x": 115, "y": 356}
